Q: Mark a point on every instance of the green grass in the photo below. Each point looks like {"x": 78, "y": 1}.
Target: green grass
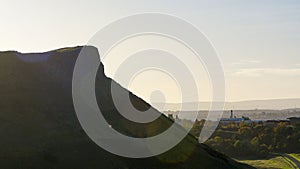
{"x": 296, "y": 156}
{"x": 273, "y": 163}
{"x": 291, "y": 162}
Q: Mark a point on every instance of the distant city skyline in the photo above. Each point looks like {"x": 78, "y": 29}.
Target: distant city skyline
{"x": 257, "y": 41}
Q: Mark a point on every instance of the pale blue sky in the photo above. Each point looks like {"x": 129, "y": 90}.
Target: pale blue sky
{"x": 258, "y": 41}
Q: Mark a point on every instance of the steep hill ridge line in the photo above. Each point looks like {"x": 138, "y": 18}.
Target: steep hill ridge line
{"x": 39, "y": 127}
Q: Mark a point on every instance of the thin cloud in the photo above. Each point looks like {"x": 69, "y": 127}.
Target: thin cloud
{"x": 256, "y": 72}
{"x": 245, "y": 62}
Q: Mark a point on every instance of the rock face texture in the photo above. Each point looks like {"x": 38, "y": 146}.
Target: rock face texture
{"x": 39, "y": 127}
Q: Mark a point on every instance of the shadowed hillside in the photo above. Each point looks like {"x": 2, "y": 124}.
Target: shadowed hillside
{"x": 39, "y": 127}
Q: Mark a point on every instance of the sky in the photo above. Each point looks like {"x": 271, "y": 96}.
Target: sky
{"x": 258, "y": 41}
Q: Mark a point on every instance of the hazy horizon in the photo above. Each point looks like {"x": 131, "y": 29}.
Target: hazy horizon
{"x": 268, "y": 104}
{"x": 256, "y": 42}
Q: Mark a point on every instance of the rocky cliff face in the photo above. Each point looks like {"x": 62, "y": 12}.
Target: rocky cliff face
{"x": 39, "y": 127}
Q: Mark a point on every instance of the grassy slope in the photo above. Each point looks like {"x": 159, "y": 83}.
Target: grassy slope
{"x": 296, "y": 156}
{"x": 273, "y": 163}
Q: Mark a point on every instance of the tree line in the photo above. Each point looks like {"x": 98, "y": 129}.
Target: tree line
{"x": 244, "y": 140}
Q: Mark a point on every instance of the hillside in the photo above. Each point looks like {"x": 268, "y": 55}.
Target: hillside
{"x": 39, "y": 127}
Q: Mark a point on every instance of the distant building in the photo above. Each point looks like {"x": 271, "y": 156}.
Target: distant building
{"x": 231, "y": 120}
{"x": 234, "y": 119}
{"x": 231, "y": 114}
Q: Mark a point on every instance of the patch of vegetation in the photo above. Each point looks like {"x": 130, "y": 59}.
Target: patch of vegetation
{"x": 296, "y": 156}
{"x": 253, "y": 140}
{"x": 273, "y": 163}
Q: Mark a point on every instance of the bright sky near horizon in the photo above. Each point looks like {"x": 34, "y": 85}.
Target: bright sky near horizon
{"x": 258, "y": 41}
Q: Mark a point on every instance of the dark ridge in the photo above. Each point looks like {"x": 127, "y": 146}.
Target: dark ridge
{"x": 39, "y": 127}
